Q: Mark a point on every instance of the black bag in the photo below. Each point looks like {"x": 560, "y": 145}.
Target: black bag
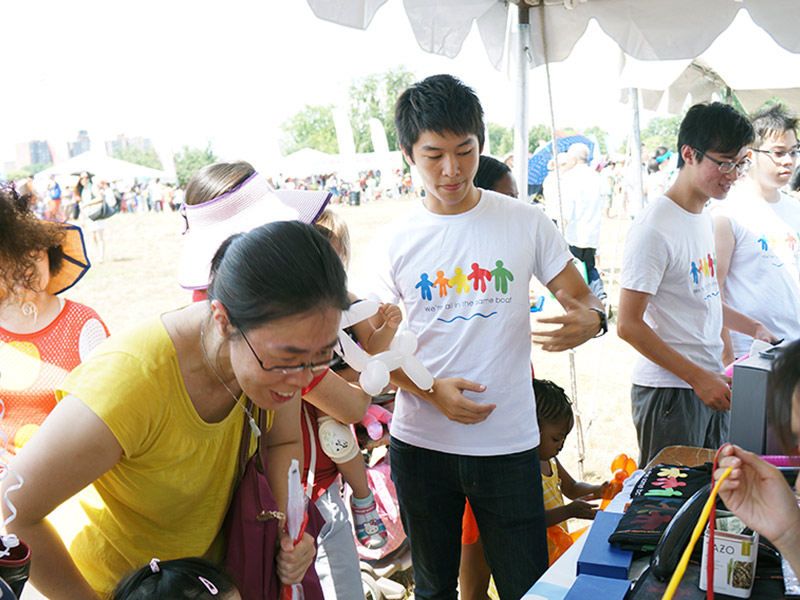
{"x": 101, "y": 211}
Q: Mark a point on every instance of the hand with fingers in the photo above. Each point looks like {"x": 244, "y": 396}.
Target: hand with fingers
{"x": 713, "y": 389}
{"x": 448, "y": 397}
{"x": 580, "y": 323}
{"x": 581, "y": 509}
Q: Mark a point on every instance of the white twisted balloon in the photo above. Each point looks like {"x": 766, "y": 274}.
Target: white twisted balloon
{"x": 375, "y": 369}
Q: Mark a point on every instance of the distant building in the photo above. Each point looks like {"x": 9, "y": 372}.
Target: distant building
{"x": 81, "y": 145}
{"x": 122, "y": 143}
{"x": 35, "y": 152}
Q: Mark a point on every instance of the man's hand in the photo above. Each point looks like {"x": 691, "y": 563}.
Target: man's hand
{"x": 447, "y": 396}
{"x": 713, "y": 389}
{"x": 764, "y": 334}
{"x": 577, "y": 326}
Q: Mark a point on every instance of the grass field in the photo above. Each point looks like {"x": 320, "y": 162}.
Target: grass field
{"x": 138, "y": 280}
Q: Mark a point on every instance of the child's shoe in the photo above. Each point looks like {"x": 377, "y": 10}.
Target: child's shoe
{"x": 370, "y": 529}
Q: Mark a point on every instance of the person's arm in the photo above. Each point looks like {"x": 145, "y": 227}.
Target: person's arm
{"x": 733, "y": 319}
{"x": 383, "y": 328}
{"x": 580, "y": 323}
{"x": 284, "y": 442}
{"x": 578, "y": 489}
{"x": 724, "y": 245}
{"x": 345, "y": 402}
{"x": 758, "y": 494}
{"x": 711, "y": 388}
{"x": 71, "y": 449}
{"x": 447, "y": 396}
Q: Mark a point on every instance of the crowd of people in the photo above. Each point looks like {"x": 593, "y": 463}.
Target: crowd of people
{"x": 156, "y": 419}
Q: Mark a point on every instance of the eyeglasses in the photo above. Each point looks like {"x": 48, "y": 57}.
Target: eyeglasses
{"x": 778, "y": 155}
{"x": 727, "y": 166}
{"x": 293, "y": 369}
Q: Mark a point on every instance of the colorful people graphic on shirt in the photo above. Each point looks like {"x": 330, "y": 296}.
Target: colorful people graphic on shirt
{"x": 791, "y": 241}
{"x": 479, "y": 277}
{"x": 501, "y": 277}
{"x": 711, "y": 264}
{"x": 695, "y": 272}
{"x": 763, "y": 241}
{"x": 442, "y": 282}
{"x": 459, "y": 282}
{"x": 704, "y": 267}
{"x": 425, "y": 286}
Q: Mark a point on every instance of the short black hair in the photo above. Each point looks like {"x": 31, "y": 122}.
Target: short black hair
{"x": 784, "y": 383}
{"x": 772, "y": 120}
{"x": 552, "y": 403}
{"x": 180, "y": 579}
{"x": 439, "y": 103}
{"x": 490, "y": 171}
{"x": 714, "y": 127}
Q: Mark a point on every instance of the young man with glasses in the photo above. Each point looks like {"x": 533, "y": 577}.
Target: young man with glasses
{"x": 756, "y": 232}
{"x": 670, "y": 308}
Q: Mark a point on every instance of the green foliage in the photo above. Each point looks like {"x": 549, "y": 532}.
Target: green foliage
{"x": 191, "y": 160}
{"x": 374, "y": 96}
{"x": 662, "y": 131}
{"x": 312, "y": 127}
{"x": 601, "y": 137}
{"x": 145, "y": 158}
{"x": 536, "y": 133}
{"x": 26, "y": 172}
{"x": 501, "y": 139}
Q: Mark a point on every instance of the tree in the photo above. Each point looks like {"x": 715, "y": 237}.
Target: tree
{"x": 662, "y": 131}
{"x": 536, "y": 133}
{"x": 145, "y": 158}
{"x": 501, "y": 139}
{"x": 312, "y": 127}
{"x": 26, "y": 172}
{"x": 191, "y": 160}
{"x": 601, "y": 137}
{"x": 374, "y": 96}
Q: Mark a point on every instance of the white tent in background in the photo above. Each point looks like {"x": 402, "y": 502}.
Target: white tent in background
{"x": 753, "y": 77}
{"x": 308, "y": 162}
{"x": 103, "y": 167}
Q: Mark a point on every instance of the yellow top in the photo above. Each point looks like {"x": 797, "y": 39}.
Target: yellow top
{"x": 168, "y": 495}
{"x": 551, "y": 489}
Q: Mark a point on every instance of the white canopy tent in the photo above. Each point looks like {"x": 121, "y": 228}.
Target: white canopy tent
{"x": 102, "y": 166}
{"x": 536, "y": 32}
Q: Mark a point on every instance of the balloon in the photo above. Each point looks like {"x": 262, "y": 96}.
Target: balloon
{"x": 375, "y": 369}
{"x": 613, "y": 488}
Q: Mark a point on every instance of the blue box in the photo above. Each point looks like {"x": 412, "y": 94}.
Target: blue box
{"x": 589, "y": 587}
{"x": 600, "y": 558}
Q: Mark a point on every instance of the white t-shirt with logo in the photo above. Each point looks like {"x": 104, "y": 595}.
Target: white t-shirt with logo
{"x": 669, "y": 254}
{"x": 763, "y": 280}
{"x": 464, "y": 282}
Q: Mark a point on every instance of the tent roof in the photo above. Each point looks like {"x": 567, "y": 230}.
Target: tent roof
{"x": 644, "y": 29}
{"x": 103, "y": 167}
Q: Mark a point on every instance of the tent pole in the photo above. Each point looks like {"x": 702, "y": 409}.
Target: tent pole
{"x": 521, "y": 100}
{"x": 636, "y": 152}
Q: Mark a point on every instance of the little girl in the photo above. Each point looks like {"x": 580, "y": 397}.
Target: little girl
{"x": 374, "y": 336}
{"x": 183, "y": 578}
{"x": 554, "y": 413}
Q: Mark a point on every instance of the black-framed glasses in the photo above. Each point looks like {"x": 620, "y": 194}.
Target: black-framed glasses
{"x": 318, "y": 367}
{"x": 726, "y": 166}
{"x": 777, "y": 155}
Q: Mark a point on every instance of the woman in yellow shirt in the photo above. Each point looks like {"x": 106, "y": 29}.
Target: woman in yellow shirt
{"x": 153, "y": 419}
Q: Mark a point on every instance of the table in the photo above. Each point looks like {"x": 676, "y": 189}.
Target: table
{"x": 556, "y": 581}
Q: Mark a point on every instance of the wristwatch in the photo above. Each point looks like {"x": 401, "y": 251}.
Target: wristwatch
{"x": 603, "y": 321}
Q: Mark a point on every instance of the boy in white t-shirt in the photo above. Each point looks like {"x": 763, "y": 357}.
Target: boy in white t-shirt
{"x": 461, "y": 263}
{"x": 756, "y": 231}
{"x": 670, "y": 308}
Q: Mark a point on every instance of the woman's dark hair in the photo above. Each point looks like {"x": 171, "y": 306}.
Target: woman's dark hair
{"x": 784, "y": 383}
{"x": 713, "y": 127}
{"x": 441, "y": 104}
{"x": 552, "y": 403}
{"x": 179, "y": 579}
{"x": 79, "y": 185}
{"x": 490, "y": 171}
{"x": 274, "y": 271}
{"x": 23, "y": 239}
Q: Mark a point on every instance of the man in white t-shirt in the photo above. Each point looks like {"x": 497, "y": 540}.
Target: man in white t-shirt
{"x": 756, "y": 231}
{"x": 461, "y": 263}
{"x": 583, "y": 209}
{"x": 670, "y": 308}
